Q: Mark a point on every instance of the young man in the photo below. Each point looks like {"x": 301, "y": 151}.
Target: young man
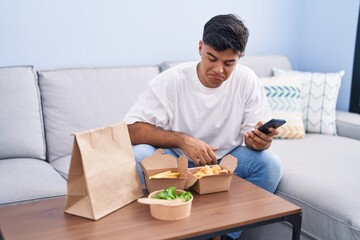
{"x": 207, "y": 109}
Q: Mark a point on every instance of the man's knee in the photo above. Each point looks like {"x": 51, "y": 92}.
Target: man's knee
{"x": 274, "y": 160}
{"x": 263, "y": 168}
{"x": 273, "y": 167}
{"x": 142, "y": 151}
{"x": 266, "y": 159}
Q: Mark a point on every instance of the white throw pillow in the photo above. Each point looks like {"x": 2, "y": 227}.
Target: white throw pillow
{"x": 319, "y": 95}
{"x": 284, "y": 96}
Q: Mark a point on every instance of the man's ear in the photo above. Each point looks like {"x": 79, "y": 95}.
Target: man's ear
{"x": 200, "y": 47}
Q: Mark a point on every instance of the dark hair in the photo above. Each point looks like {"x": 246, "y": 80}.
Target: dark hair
{"x": 226, "y": 31}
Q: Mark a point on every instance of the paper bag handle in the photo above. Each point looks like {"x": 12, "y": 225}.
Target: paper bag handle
{"x": 116, "y": 134}
{"x": 92, "y": 139}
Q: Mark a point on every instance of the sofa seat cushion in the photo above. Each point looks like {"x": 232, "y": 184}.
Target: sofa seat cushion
{"x": 82, "y": 99}
{"x": 21, "y": 125}
{"x": 62, "y": 166}
{"x": 321, "y": 175}
{"x": 23, "y": 179}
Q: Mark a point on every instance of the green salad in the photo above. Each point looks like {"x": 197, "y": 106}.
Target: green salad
{"x": 170, "y": 194}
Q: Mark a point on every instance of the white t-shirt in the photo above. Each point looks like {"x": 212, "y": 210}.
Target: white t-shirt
{"x": 176, "y": 100}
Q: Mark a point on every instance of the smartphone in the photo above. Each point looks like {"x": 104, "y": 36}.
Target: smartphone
{"x": 273, "y": 123}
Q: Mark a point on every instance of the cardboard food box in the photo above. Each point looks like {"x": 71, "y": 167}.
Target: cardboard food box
{"x": 213, "y": 183}
{"x": 159, "y": 162}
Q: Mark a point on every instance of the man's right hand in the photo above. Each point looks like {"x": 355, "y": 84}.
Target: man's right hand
{"x": 198, "y": 151}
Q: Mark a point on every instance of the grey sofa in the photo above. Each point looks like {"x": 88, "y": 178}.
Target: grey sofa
{"x": 39, "y": 111}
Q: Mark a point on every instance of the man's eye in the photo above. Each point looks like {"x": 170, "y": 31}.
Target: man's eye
{"x": 229, "y": 64}
{"x": 212, "y": 59}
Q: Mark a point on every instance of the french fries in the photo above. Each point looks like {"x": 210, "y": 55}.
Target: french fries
{"x": 166, "y": 174}
{"x": 204, "y": 171}
{"x": 208, "y": 171}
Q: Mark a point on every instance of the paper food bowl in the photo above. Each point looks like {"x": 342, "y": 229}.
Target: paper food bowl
{"x": 170, "y": 213}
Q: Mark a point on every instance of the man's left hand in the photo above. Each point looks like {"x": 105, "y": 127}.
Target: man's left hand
{"x": 258, "y": 140}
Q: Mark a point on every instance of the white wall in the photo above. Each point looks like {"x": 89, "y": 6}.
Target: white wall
{"x": 86, "y": 33}
{"x": 327, "y": 40}
{"x": 73, "y": 33}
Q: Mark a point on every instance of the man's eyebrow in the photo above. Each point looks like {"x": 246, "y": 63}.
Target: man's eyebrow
{"x": 228, "y": 61}
{"x": 211, "y": 55}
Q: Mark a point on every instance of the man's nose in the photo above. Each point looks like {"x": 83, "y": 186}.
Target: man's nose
{"x": 218, "y": 68}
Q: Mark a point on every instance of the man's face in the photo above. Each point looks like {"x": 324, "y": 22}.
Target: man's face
{"x": 215, "y": 67}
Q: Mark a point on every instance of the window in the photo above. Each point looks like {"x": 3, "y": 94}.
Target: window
{"x": 355, "y": 87}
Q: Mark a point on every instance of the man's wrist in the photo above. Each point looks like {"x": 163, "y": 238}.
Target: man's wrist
{"x": 179, "y": 139}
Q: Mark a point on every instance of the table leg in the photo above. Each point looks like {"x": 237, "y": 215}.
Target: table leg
{"x": 295, "y": 221}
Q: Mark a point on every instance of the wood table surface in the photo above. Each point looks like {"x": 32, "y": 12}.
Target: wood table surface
{"x": 243, "y": 204}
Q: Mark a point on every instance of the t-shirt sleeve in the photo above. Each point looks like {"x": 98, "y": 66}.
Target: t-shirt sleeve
{"x": 152, "y": 106}
{"x": 256, "y": 106}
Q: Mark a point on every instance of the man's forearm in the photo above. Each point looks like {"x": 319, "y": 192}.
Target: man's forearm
{"x": 145, "y": 133}
{"x": 195, "y": 149}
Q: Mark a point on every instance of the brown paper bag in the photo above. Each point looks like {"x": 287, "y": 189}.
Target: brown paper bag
{"x": 103, "y": 175}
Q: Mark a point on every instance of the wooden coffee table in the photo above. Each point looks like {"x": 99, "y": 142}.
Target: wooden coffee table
{"x": 243, "y": 206}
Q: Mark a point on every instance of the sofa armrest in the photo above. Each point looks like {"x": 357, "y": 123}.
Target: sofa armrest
{"x": 348, "y": 124}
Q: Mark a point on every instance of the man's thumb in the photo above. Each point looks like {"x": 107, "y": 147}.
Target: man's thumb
{"x": 214, "y": 148}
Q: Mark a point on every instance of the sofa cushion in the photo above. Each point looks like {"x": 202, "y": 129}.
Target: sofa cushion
{"x": 321, "y": 175}
{"x": 263, "y": 65}
{"x": 23, "y": 179}
{"x": 20, "y": 114}
{"x": 62, "y": 165}
{"x": 284, "y": 96}
{"x": 348, "y": 124}
{"x": 82, "y": 99}
{"x": 319, "y": 96}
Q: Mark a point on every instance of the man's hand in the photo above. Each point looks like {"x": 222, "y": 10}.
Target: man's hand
{"x": 198, "y": 151}
{"x": 258, "y": 140}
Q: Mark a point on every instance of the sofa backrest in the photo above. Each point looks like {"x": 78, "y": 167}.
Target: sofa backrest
{"x": 262, "y": 64}
{"x": 21, "y": 125}
{"x": 75, "y": 100}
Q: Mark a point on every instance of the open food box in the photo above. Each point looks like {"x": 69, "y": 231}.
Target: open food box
{"x": 159, "y": 170}
{"x": 166, "y": 167}
{"x": 218, "y": 182}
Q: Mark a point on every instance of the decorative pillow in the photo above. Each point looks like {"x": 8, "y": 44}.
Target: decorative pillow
{"x": 284, "y": 98}
{"x": 319, "y": 94}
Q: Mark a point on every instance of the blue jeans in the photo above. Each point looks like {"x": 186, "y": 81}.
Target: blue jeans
{"x": 263, "y": 168}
